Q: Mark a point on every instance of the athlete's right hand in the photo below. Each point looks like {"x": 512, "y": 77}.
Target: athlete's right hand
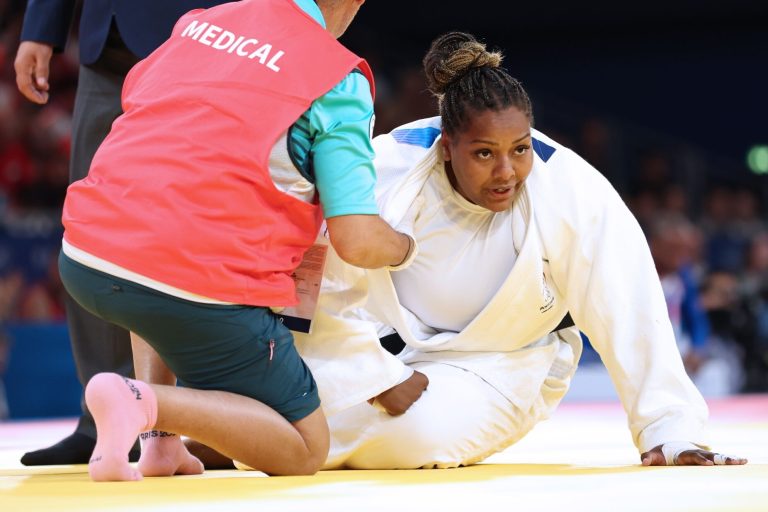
{"x": 32, "y": 66}
{"x": 398, "y": 399}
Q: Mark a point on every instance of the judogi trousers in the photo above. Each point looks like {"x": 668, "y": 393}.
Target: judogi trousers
{"x": 459, "y": 420}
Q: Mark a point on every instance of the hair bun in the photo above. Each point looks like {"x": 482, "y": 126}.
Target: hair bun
{"x": 453, "y": 55}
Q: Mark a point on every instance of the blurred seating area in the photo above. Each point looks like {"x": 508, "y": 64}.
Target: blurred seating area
{"x": 34, "y": 154}
{"x": 703, "y": 213}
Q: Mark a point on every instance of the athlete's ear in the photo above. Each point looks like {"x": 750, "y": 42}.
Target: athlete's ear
{"x": 445, "y": 142}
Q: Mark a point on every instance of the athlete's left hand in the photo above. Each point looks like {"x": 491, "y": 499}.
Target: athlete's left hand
{"x": 699, "y": 457}
{"x": 398, "y": 399}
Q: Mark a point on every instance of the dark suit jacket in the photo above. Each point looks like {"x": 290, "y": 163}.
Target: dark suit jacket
{"x": 143, "y": 24}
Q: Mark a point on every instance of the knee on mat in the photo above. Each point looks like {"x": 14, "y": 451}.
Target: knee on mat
{"x": 308, "y": 467}
{"x": 291, "y": 466}
{"x": 308, "y": 464}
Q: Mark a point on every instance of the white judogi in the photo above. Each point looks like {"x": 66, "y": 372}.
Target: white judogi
{"x": 579, "y": 250}
{"x": 468, "y": 246}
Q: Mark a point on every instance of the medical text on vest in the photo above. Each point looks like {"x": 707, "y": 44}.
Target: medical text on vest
{"x": 224, "y": 40}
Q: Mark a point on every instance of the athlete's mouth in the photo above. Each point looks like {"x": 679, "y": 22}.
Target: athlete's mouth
{"x": 503, "y": 190}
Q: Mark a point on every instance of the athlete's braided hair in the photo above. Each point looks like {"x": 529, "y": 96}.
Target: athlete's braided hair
{"x": 463, "y": 75}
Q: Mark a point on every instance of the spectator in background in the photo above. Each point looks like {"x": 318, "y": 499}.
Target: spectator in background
{"x": 755, "y": 275}
{"x": 409, "y": 97}
{"x": 4, "y": 351}
{"x": 710, "y": 361}
{"x": 746, "y": 221}
{"x": 725, "y": 246}
{"x": 653, "y": 189}
{"x": 654, "y": 173}
{"x": 11, "y": 283}
{"x": 672, "y": 240}
{"x": 16, "y": 166}
{"x": 732, "y": 326}
{"x": 644, "y": 205}
{"x": 42, "y": 300}
{"x": 49, "y": 143}
{"x": 754, "y": 293}
{"x": 600, "y": 144}
{"x": 674, "y": 199}
{"x": 106, "y": 55}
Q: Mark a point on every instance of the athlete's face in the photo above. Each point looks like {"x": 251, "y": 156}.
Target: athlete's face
{"x": 490, "y": 159}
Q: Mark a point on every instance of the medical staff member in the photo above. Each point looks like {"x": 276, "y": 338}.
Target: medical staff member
{"x": 240, "y": 133}
{"x": 113, "y": 35}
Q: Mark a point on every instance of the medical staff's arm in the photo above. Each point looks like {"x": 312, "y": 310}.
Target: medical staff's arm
{"x": 367, "y": 241}
{"x": 342, "y": 159}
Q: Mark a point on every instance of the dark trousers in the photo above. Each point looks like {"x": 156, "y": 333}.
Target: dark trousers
{"x": 97, "y": 346}
{"x": 228, "y": 347}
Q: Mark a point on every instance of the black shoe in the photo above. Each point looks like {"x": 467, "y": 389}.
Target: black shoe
{"x": 73, "y": 449}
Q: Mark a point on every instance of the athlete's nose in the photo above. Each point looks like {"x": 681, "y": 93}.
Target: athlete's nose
{"x": 504, "y": 170}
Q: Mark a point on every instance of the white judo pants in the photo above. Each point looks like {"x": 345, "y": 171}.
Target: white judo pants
{"x": 459, "y": 420}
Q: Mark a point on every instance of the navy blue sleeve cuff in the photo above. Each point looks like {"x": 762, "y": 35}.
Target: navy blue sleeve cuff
{"x": 48, "y": 21}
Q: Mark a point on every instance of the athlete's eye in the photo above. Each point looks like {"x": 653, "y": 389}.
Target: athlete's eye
{"x": 523, "y": 149}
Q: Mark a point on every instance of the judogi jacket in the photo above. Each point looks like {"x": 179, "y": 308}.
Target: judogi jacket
{"x": 579, "y": 250}
{"x": 180, "y": 191}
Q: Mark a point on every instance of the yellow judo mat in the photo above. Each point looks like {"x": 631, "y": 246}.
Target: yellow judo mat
{"x": 580, "y": 459}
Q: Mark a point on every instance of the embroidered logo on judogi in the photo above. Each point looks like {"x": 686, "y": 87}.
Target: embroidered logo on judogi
{"x": 547, "y": 295}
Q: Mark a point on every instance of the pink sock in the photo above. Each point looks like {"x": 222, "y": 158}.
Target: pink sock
{"x": 121, "y": 408}
{"x": 164, "y": 454}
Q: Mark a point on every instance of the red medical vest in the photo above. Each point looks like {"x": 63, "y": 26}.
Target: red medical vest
{"x": 180, "y": 190}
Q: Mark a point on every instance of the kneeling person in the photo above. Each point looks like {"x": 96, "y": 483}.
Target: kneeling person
{"x": 197, "y": 208}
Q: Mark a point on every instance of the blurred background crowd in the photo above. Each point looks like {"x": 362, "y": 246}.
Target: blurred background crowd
{"x": 667, "y": 100}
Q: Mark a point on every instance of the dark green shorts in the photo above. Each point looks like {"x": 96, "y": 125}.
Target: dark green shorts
{"x": 241, "y": 349}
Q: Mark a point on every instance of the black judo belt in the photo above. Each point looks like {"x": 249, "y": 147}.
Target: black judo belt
{"x": 394, "y": 344}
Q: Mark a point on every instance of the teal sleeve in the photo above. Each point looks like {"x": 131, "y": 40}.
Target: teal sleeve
{"x": 340, "y": 125}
